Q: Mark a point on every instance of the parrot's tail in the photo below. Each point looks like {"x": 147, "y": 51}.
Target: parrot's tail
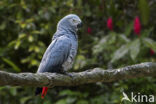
{"x": 44, "y": 92}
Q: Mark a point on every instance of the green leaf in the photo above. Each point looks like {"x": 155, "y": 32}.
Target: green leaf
{"x": 62, "y": 101}
{"x": 147, "y": 32}
{"x": 23, "y": 25}
{"x": 24, "y": 99}
{"x": 100, "y": 46}
{"x": 14, "y": 66}
{"x": 120, "y": 52}
{"x": 129, "y": 29}
{"x": 36, "y": 32}
{"x": 150, "y": 43}
{"x": 82, "y": 102}
{"x": 123, "y": 37}
{"x": 134, "y": 48}
{"x": 1, "y": 88}
{"x": 30, "y": 39}
{"x": 144, "y": 10}
{"x": 18, "y": 43}
{"x": 22, "y": 35}
{"x": 69, "y": 92}
{"x": 3, "y": 26}
{"x": 34, "y": 62}
{"x": 13, "y": 91}
{"x": 80, "y": 62}
{"x": 112, "y": 38}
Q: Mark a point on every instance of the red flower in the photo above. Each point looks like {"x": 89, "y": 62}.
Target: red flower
{"x": 110, "y": 24}
{"x": 89, "y": 30}
{"x": 137, "y": 25}
{"x": 152, "y": 52}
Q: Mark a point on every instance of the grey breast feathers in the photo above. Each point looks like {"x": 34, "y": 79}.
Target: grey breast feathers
{"x": 56, "y": 54}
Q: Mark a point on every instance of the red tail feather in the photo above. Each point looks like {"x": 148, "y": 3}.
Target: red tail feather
{"x": 44, "y": 92}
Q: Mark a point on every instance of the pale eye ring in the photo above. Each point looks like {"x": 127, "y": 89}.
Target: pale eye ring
{"x": 74, "y": 20}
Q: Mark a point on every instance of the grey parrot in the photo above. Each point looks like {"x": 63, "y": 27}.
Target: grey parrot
{"x": 60, "y": 54}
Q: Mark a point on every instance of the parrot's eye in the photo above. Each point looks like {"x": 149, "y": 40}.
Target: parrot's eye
{"x": 74, "y": 20}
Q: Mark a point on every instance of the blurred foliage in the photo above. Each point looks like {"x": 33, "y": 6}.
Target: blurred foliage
{"x": 27, "y": 27}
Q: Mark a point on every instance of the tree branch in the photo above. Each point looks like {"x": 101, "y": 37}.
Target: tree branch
{"x": 90, "y": 76}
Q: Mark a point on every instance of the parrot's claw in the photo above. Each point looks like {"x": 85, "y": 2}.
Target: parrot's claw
{"x": 66, "y": 73}
{"x": 69, "y": 74}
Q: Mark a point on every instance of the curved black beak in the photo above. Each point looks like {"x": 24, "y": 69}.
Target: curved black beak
{"x": 80, "y": 25}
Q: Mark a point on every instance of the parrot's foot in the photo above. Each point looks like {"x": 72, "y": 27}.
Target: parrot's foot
{"x": 66, "y": 73}
{"x": 69, "y": 74}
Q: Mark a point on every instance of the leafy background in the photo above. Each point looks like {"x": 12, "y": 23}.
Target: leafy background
{"x": 27, "y": 27}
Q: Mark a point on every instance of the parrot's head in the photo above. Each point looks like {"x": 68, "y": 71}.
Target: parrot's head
{"x": 70, "y": 22}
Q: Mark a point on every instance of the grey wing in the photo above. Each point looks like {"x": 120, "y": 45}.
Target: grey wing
{"x": 55, "y": 55}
